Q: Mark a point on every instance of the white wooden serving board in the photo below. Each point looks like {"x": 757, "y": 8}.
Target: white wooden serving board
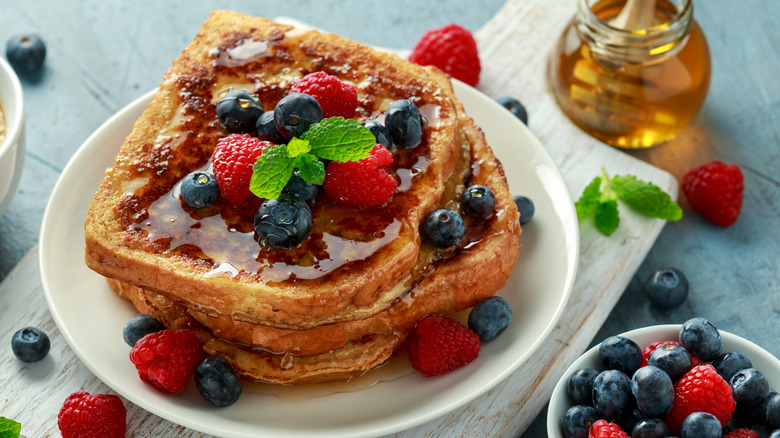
{"x": 514, "y": 47}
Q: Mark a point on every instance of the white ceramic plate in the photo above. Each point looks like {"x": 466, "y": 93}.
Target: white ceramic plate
{"x": 761, "y": 360}
{"x": 91, "y": 317}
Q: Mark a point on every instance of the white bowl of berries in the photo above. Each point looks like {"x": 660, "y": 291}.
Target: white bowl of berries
{"x": 688, "y": 380}
{"x": 11, "y": 133}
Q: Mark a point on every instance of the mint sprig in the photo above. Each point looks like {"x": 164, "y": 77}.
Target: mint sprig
{"x": 335, "y": 139}
{"x": 9, "y": 428}
{"x": 599, "y": 200}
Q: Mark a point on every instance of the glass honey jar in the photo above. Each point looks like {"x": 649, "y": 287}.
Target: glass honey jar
{"x": 631, "y": 82}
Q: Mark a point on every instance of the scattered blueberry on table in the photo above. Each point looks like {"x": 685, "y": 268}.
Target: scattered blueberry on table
{"x": 26, "y": 53}
{"x": 515, "y": 107}
{"x": 30, "y": 344}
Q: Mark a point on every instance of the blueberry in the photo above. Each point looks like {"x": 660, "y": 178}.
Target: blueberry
{"x": 295, "y": 113}
{"x": 650, "y": 428}
{"x": 700, "y": 425}
{"x": 217, "y": 382}
{"x": 728, "y": 364}
{"x": 526, "y": 208}
{"x": 26, "y": 53}
{"x": 772, "y": 412}
{"x": 580, "y": 386}
{"x": 477, "y": 201}
{"x": 576, "y": 422}
{"x": 619, "y": 353}
{"x": 266, "y": 128}
{"x": 444, "y": 227}
{"x": 238, "y": 111}
{"x": 405, "y": 124}
{"x": 199, "y": 189}
{"x": 749, "y": 387}
{"x": 653, "y": 391}
{"x": 381, "y": 133}
{"x": 630, "y": 417}
{"x": 139, "y": 326}
{"x": 672, "y": 359}
{"x": 775, "y": 434}
{"x": 30, "y": 344}
{"x": 300, "y": 188}
{"x": 611, "y": 393}
{"x": 283, "y": 222}
{"x": 758, "y": 413}
{"x": 667, "y": 288}
{"x": 490, "y": 317}
{"x": 701, "y": 339}
{"x": 515, "y": 107}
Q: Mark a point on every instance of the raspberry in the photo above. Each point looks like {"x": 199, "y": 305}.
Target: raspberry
{"x": 361, "y": 183}
{"x": 167, "y": 359}
{"x": 715, "y": 191}
{"x": 652, "y": 347}
{"x": 701, "y": 390}
{"x": 741, "y": 433}
{"x": 85, "y": 415}
{"x": 438, "y": 345}
{"x": 604, "y": 429}
{"x": 452, "y": 49}
{"x": 335, "y": 97}
{"x": 233, "y": 159}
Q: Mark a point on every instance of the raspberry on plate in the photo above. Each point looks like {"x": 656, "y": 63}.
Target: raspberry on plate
{"x": 701, "y": 389}
{"x": 715, "y": 191}
{"x": 362, "y": 183}
{"x": 650, "y": 348}
{"x": 741, "y": 433}
{"x": 85, "y": 415}
{"x": 233, "y": 159}
{"x": 605, "y": 429}
{"x": 336, "y": 98}
{"x": 452, "y": 49}
{"x": 167, "y": 359}
{"x": 438, "y": 345}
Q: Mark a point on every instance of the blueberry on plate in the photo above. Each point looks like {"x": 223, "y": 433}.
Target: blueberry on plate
{"x": 667, "y": 288}
{"x": 238, "y": 111}
{"x": 515, "y": 107}
{"x": 139, "y": 326}
{"x": 580, "y": 386}
{"x": 576, "y": 422}
{"x": 478, "y": 201}
{"x": 653, "y": 391}
{"x": 266, "y": 128}
{"x": 25, "y": 53}
{"x": 611, "y": 394}
{"x": 526, "y": 208}
{"x": 490, "y": 317}
{"x": 217, "y": 382}
{"x": 283, "y": 222}
{"x": 300, "y": 188}
{"x": 199, "y": 189}
{"x": 772, "y": 412}
{"x": 381, "y": 133}
{"x": 673, "y": 359}
{"x": 749, "y": 387}
{"x": 700, "y": 425}
{"x": 295, "y": 113}
{"x": 650, "y": 428}
{"x": 730, "y": 363}
{"x": 620, "y": 353}
{"x": 444, "y": 227}
{"x": 701, "y": 339}
{"x": 405, "y": 124}
{"x": 30, "y": 344}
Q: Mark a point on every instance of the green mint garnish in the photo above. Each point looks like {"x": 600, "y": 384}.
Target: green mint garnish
{"x": 599, "y": 200}
{"x": 9, "y": 428}
{"x": 335, "y": 139}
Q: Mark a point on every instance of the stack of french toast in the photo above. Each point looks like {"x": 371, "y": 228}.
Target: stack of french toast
{"x": 344, "y": 300}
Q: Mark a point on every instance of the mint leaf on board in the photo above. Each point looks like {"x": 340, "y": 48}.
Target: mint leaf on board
{"x": 9, "y": 428}
{"x": 296, "y": 147}
{"x": 310, "y": 169}
{"x": 646, "y": 198}
{"x": 589, "y": 199}
{"x": 271, "y": 172}
{"x": 339, "y": 139}
{"x": 607, "y": 219}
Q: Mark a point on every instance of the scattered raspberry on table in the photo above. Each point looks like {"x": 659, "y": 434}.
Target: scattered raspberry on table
{"x": 85, "y": 415}
{"x": 452, "y": 49}
{"x": 715, "y": 191}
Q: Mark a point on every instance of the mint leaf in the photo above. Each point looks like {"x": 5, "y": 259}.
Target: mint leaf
{"x": 646, "y": 198}
{"x": 310, "y": 169}
{"x": 271, "y": 172}
{"x": 296, "y": 146}
{"x": 9, "y": 428}
{"x": 338, "y": 139}
{"x": 589, "y": 199}
{"x": 607, "y": 219}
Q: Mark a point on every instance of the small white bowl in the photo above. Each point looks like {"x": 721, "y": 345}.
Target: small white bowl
{"x": 12, "y": 147}
{"x": 559, "y": 402}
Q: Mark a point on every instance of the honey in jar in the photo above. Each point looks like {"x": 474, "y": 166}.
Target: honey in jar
{"x": 631, "y": 87}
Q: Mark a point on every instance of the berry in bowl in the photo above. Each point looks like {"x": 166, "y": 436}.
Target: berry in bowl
{"x": 688, "y": 380}
{"x": 11, "y": 133}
